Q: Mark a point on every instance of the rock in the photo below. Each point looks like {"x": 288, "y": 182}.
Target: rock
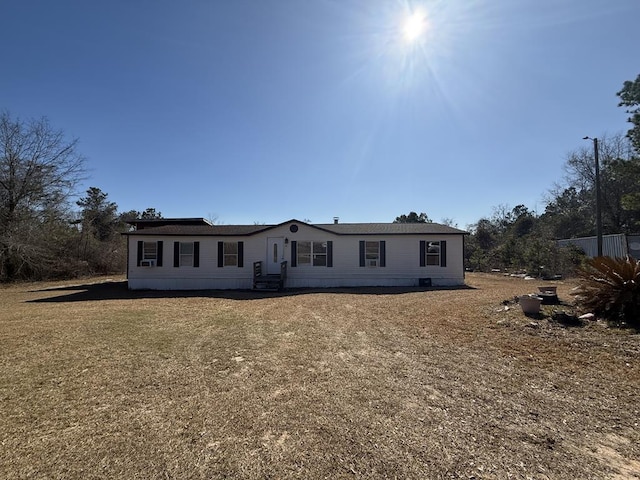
{"x": 565, "y": 319}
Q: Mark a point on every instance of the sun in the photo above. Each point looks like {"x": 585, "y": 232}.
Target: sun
{"x": 414, "y": 27}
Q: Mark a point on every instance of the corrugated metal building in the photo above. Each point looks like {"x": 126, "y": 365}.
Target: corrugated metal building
{"x": 618, "y": 245}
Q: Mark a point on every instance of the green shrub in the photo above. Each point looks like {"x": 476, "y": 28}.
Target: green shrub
{"x": 610, "y": 288}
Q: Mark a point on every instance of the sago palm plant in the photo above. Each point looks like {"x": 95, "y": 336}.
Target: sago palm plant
{"x": 610, "y": 288}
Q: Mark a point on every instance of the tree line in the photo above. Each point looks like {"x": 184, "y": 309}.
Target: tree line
{"x": 519, "y": 239}
{"x": 45, "y": 235}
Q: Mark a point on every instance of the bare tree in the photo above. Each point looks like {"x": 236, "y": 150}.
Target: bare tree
{"x": 39, "y": 169}
{"x": 449, "y": 222}
{"x": 580, "y": 164}
{"x": 618, "y": 178}
{"x": 213, "y": 219}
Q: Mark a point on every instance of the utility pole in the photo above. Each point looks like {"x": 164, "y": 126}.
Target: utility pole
{"x": 598, "y": 198}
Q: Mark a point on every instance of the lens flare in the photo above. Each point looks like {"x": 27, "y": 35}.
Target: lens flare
{"x": 414, "y": 27}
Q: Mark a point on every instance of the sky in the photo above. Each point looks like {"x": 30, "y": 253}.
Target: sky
{"x": 260, "y": 111}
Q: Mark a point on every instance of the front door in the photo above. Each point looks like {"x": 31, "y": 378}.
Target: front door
{"x": 275, "y": 254}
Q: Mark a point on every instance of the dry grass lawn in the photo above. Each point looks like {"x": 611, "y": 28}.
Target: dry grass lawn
{"x": 99, "y": 382}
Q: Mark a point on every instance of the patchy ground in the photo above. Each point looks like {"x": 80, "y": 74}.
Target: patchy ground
{"x": 100, "y": 382}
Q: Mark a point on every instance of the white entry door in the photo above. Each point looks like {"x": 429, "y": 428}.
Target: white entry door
{"x": 275, "y": 254}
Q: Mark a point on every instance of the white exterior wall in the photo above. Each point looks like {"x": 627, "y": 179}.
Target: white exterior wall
{"x": 402, "y": 262}
{"x": 205, "y": 277}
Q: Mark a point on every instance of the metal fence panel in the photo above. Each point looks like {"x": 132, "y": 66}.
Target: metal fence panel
{"x": 612, "y": 245}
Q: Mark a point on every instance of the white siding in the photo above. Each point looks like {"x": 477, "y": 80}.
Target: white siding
{"x": 402, "y": 262}
{"x": 207, "y": 276}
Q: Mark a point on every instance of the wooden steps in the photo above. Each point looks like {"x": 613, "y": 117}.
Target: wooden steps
{"x": 268, "y": 282}
{"x": 271, "y": 283}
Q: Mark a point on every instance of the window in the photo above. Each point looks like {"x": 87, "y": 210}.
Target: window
{"x": 312, "y": 253}
{"x": 149, "y": 254}
{"x": 150, "y": 251}
{"x": 372, "y": 254}
{"x": 230, "y": 253}
{"x": 319, "y": 254}
{"x": 304, "y": 253}
{"x": 433, "y": 253}
{"x": 186, "y": 254}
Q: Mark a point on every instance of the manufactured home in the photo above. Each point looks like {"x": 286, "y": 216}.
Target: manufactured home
{"x": 192, "y": 254}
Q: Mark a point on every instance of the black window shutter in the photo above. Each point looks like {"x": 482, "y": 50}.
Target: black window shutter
{"x": 240, "y": 254}
{"x": 159, "y": 259}
{"x": 220, "y": 254}
{"x": 383, "y": 253}
{"x": 196, "y": 254}
{"x": 329, "y": 253}
{"x": 294, "y": 253}
{"x": 423, "y": 251}
{"x": 140, "y": 247}
{"x": 443, "y": 253}
{"x": 176, "y": 254}
{"x": 362, "y": 253}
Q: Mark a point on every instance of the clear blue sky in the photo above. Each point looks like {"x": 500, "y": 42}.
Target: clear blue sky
{"x": 267, "y": 110}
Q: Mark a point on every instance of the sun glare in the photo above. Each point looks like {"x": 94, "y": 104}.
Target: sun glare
{"x": 414, "y": 27}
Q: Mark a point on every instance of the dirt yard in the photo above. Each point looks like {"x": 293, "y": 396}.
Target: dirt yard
{"x": 100, "y": 382}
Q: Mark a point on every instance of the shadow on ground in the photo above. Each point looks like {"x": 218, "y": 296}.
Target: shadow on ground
{"x": 119, "y": 291}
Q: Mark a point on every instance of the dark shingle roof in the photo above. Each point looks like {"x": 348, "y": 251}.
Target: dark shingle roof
{"x": 335, "y": 228}
{"x": 199, "y": 230}
{"x": 389, "y": 229}
{"x": 141, "y": 223}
